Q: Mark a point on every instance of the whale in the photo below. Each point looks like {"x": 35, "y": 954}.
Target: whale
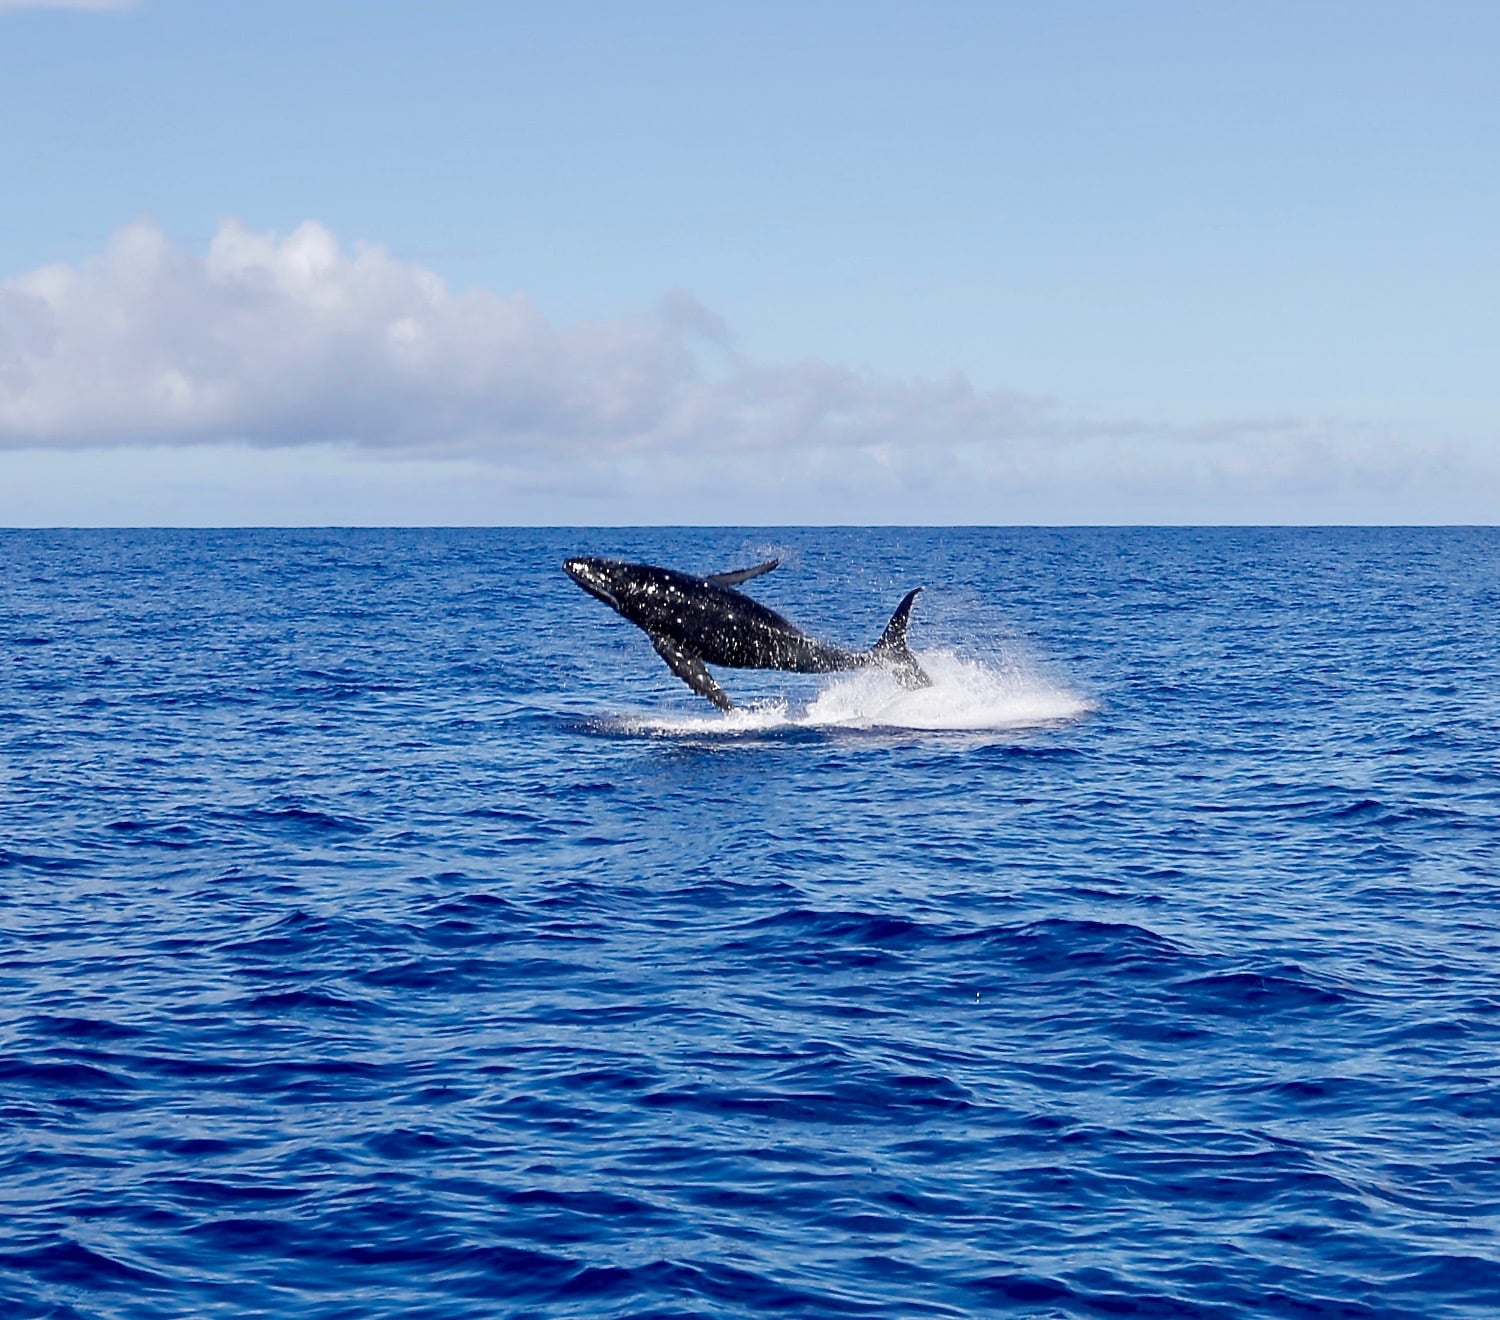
{"x": 694, "y": 622}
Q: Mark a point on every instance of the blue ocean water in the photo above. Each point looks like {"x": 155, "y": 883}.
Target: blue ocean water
{"x": 385, "y": 932}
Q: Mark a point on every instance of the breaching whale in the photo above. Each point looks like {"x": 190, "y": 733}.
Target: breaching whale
{"x": 697, "y": 621}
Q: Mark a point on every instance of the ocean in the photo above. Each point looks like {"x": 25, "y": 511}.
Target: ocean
{"x": 386, "y": 932}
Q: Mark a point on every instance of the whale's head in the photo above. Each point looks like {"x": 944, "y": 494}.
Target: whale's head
{"x": 604, "y": 579}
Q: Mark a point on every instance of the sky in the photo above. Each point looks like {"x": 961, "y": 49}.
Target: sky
{"x": 426, "y": 262}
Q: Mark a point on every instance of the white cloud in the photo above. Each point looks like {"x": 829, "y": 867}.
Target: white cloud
{"x": 293, "y": 340}
{"x": 296, "y": 346}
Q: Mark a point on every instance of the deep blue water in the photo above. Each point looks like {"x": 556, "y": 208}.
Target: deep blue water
{"x": 385, "y": 932}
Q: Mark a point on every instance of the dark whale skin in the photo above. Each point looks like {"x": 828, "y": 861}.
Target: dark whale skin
{"x": 693, "y": 621}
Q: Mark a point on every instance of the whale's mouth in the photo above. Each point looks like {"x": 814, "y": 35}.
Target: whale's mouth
{"x": 592, "y": 579}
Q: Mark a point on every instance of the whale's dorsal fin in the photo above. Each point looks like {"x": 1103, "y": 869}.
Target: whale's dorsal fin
{"x": 738, "y": 575}
{"x": 691, "y": 670}
{"x": 891, "y": 651}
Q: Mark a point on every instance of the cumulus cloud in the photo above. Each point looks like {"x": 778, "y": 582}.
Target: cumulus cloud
{"x": 293, "y": 340}
{"x": 282, "y": 342}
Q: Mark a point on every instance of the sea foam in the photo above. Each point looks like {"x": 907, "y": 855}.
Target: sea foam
{"x": 967, "y": 694}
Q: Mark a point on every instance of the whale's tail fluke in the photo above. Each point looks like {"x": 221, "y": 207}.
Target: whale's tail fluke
{"x": 891, "y": 652}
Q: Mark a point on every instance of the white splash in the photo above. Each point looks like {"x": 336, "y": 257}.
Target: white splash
{"x": 966, "y": 694}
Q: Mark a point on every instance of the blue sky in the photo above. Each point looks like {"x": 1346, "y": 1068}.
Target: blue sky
{"x": 438, "y": 262}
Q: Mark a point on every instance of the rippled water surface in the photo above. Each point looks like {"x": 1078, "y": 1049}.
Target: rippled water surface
{"x": 385, "y": 931}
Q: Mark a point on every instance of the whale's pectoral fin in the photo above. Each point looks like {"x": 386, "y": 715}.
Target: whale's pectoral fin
{"x": 738, "y": 575}
{"x": 691, "y": 670}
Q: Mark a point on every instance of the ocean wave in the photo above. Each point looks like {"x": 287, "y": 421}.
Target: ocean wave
{"x": 457, "y": 998}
